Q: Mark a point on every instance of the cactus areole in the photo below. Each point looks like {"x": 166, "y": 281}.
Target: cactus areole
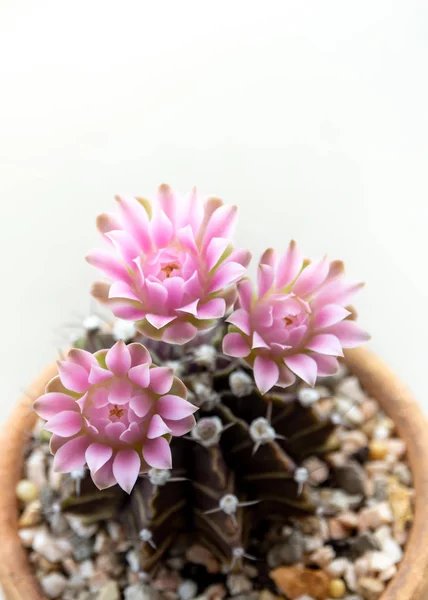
{"x": 192, "y": 401}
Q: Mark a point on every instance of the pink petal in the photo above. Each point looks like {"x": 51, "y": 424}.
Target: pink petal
{"x": 136, "y": 221}
{"x": 157, "y": 428}
{"x": 104, "y": 477}
{"x": 97, "y": 455}
{"x": 82, "y": 358}
{"x": 127, "y": 310}
{"x": 226, "y": 274}
{"x": 235, "y": 345}
{"x": 167, "y": 201}
{"x": 327, "y": 365}
{"x": 56, "y": 442}
{"x": 289, "y": 266}
{"x": 325, "y": 343}
{"x": 71, "y": 455}
{"x": 174, "y": 407}
{"x": 161, "y": 379}
{"x": 304, "y": 366}
{"x": 311, "y": 278}
{"x": 241, "y": 319}
{"x": 336, "y": 292}
{"x": 266, "y": 373}
{"x": 126, "y": 466}
{"x": 329, "y": 315}
{"x": 109, "y": 264}
{"x": 258, "y": 341}
{"x": 65, "y": 424}
{"x": 49, "y": 405}
{"x": 349, "y": 334}
{"x": 221, "y": 223}
{"x": 159, "y": 321}
{"x": 175, "y": 290}
{"x": 114, "y": 431}
{"x": 187, "y": 239}
{"x": 156, "y": 295}
{"x": 98, "y": 375}
{"x": 73, "y": 376}
{"x": 245, "y": 291}
{"x": 191, "y": 308}
{"x": 182, "y": 426}
{"x": 215, "y": 251}
{"x": 108, "y": 222}
{"x": 118, "y": 359}
{"x": 161, "y": 229}
{"x": 241, "y": 256}
{"x": 120, "y": 391}
{"x": 120, "y": 289}
{"x": 141, "y": 404}
{"x": 286, "y": 377}
{"x": 125, "y": 245}
{"x": 139, "y": 354}
{"x": 140, "y": 375}
{"x": 157, "y": 453}
{"x": 296, "y": 335}
{"x": 179, "y": 333}
{"x": 213, "y": 309}
{"x": 265, "y": 279}
{"x": 132, "y": 435}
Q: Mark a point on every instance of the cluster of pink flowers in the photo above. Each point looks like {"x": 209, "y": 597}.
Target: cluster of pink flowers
{"x": 173, "y": 270}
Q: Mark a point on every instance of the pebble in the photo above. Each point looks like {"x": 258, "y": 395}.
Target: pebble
{"x": 86, "y": 569}
{"x": 403, "y": 474}
{"x": 349, "y": 411}
{"x": 26, "y": 490}
{"x": 296, "y": 581}
{"x": 388, "y": 574}
{"x": 378, "y": 449}
{"x": 337, "y": 567}
{"x": 323, "y": 556}
{"x": 388, "y": 545}
{"x": 80, "y": 528}
{"x": 53, "y": 549}
{"x": 166, "y": 581}
{"x": 350, "y": 577}
{"x": 53, "y": 584}
{"x": 82, "y": 548}
{"x": 369, "y": 408}
{"x": 27, "y": 535}
{"x": 187, "y": 590}
{"x": 217, "y": 591}
{"x": 337, "y": 588}
{"x": 352, "y": 441}
{"x": 31, "y": 515}
{"x": 362, "y": 565}
{"x": 336, "y": 529}
{"x": 363, "y": 543}
{"x": 379, "y": 561}
{"x": 318, "y": 470}
{"x": 400, "y": 499}
{"x": 199, "y": 555}
{"x": 351, "y": 388}
{"x": 140, "y": 592}
{"x": 370, "y": 588}
{"x": 348, "y": 519}
{"x": 313, "y": 543}
{"x": 351, "y": 478}
{"x": 109, "y": 592}
{"x": 36, "y": 468}
{"x": 238, "y": 583}
{"x": 375, "y": 516}
{"x": 287, "y": 553}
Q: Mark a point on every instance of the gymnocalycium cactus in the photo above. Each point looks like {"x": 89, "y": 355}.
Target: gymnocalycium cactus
{"x": 198, "y": 329}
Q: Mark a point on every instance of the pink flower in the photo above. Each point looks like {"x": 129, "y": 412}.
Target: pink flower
{"x": 115, "y": 412}
{"x": 173, "y": 267}
{"x": 296, "y": 323}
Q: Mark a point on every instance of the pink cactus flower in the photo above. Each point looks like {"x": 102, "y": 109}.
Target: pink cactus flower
{"x": 115, "y": 412}
{"x": 173, "y": 268}
{"x": 296, "y": 323}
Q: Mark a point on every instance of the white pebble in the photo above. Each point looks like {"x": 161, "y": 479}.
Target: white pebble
{"x": 187, "y": 590}
{"x": 51, "y": 548}
{"x": 27, "y": 535}
{"x": 53, "y": 584}
{"x": 388, "y": 573}
{"x": 337, "y": 567}
{"x": 133, "y": 561}
{"x": 86, "y": 569}
{"x": 351, "y": 388}
{"x": 36, "y": 468}
{"x": 379, "y": 561}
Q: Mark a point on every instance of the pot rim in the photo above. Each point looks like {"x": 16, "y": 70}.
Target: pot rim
{"x": 19, "y": 583}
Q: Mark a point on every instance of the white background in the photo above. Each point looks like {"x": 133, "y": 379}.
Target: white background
{"x": 310, "y": 115}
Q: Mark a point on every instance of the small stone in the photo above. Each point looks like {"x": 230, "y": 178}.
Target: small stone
{"x": 363, "y": 543}
{"x": 378, "y": 449}
{"x": 26, "y": 491}
{"x": 133, "y": 561}
{"x": 86, "y": 569}
{"x": 388, "y": 574}
{"x": 267, "y": 595}
{"x": 313, "y": 542}
{"x": 36, "y": 468}
{"x": 337, "y": 567}
{"x": 31, "y": 514}
{"x": 238, "y": 583}
{"x": 349, "y": 411}
{"x": 187, "y": 590}
{"x": 403, "y": 474}
{"x": 296, "y": 581}
{"x": 217, "y": 591}
{"x": 375, "y": 516}
{"x": 388, "y": 545}
{"x": 323, "y": 556}
{"x": 109, "y": 592}
{"x": 380, "y": 488}
{"x": 77, "y": 525}
{"x": 333, "y": 501}
{"x": 369, "y": 408}
{"x": 351, "y": 388}
{"x": 362, "y": 565}
{"x": 337, "y": 588}
{"x": 288, "y": 553}
{"x": 82, "y": 548}
{"x": 352, "y": 441}
{"x": 317, "y": 469}
{"x": 350, "y": 577}
{"x": 53, "y": 584}
{"x": 27, "y": 535}
{"x": 400, "y": 500}
{"x": 53, "y": 549}
{"x": 379, "y": 561}
{"x": 55, "y": 479}
{"x": 370, "y": 588}
{"x": 336, "y": 529}
{"x": 70, "y": 566}
{"x": 199, "y": 555}
{"x": 351, "y": 478}
{"x": 376, "y": 467}
{"x": 114, "y": 530}
{"x": 102, "y": 543}
{"x": 166, "y": 581}
{"x": 348, "y": 519}
{"x": 140, "y": 592}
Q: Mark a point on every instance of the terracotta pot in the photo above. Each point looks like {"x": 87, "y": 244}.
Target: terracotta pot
{"x": 411, "y": 580}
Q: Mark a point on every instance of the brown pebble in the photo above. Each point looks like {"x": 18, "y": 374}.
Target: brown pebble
{"x": 296, "y": 581}
{"x": 199, "y": 555}
{"x": 217, "y": 591}
{"x": 369, "y": 409}
{"x": 378, "y": 449}
{"x": 348, "y": 519}
{"x": 337, "y": 588}
{"x": 370, "y": 588}
{"x": 336, "y": 529}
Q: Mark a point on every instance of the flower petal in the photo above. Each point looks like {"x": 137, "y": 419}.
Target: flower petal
{"x": 159, "y": 321}
{"x": 241, "y": 319}
{"x": 325, "y": 343}
{"x": 109, "y": 264}
{"x": 139, "y": 354}
{"x": 120, "y": 391}
{"x": 329, "y": 315}
{"x": 266, "y": 373}
{"x": 104, "y": 477}
{"x": 182, "y": 426}
{"x": 327, "y": 365}
{"x": 157, "y": 427}
{"x": 161, "y": 228}
{"x": 349, "y": 334}
{"x": 71, "y": 455}
{"x": 65, "y": 424}
{"x": 114, "y": 431}
{"x": 98, "y": 375}
{"x": 140, "y": 374}
{"x": 161, "y": 379}
{"x": 157, "y": 453}
{"x": 303, "y": 366}
{"x": 118, "y": 359}
{"x": 311, "y": 278}
{"x": 289, "y": 266}
{"x": 136, "y": 221}
{"x": 235, "y": 345}
{"x": 174, "y": 407}
{"x": 226, "y": 274}
{"x": 141, "y": 404}
{"x": 213, "y": 309}
{"x": 50, "y": 404}
{"x": 215, "y": 251}
{"x": 73, "y": 376}
{"x": 83, "y": 358}
{"x": 179, "y": 333}
{"x": 97, "y": 455}
{"x": 126, "y": 466}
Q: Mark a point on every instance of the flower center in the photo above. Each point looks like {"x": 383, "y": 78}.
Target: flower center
{"x": 288, "y": 320}
{"x": 168, "y": 269}
{"x": 116, "y": 412}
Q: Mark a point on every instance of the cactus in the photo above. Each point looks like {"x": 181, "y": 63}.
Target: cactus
{"x": 238, "y": 469}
